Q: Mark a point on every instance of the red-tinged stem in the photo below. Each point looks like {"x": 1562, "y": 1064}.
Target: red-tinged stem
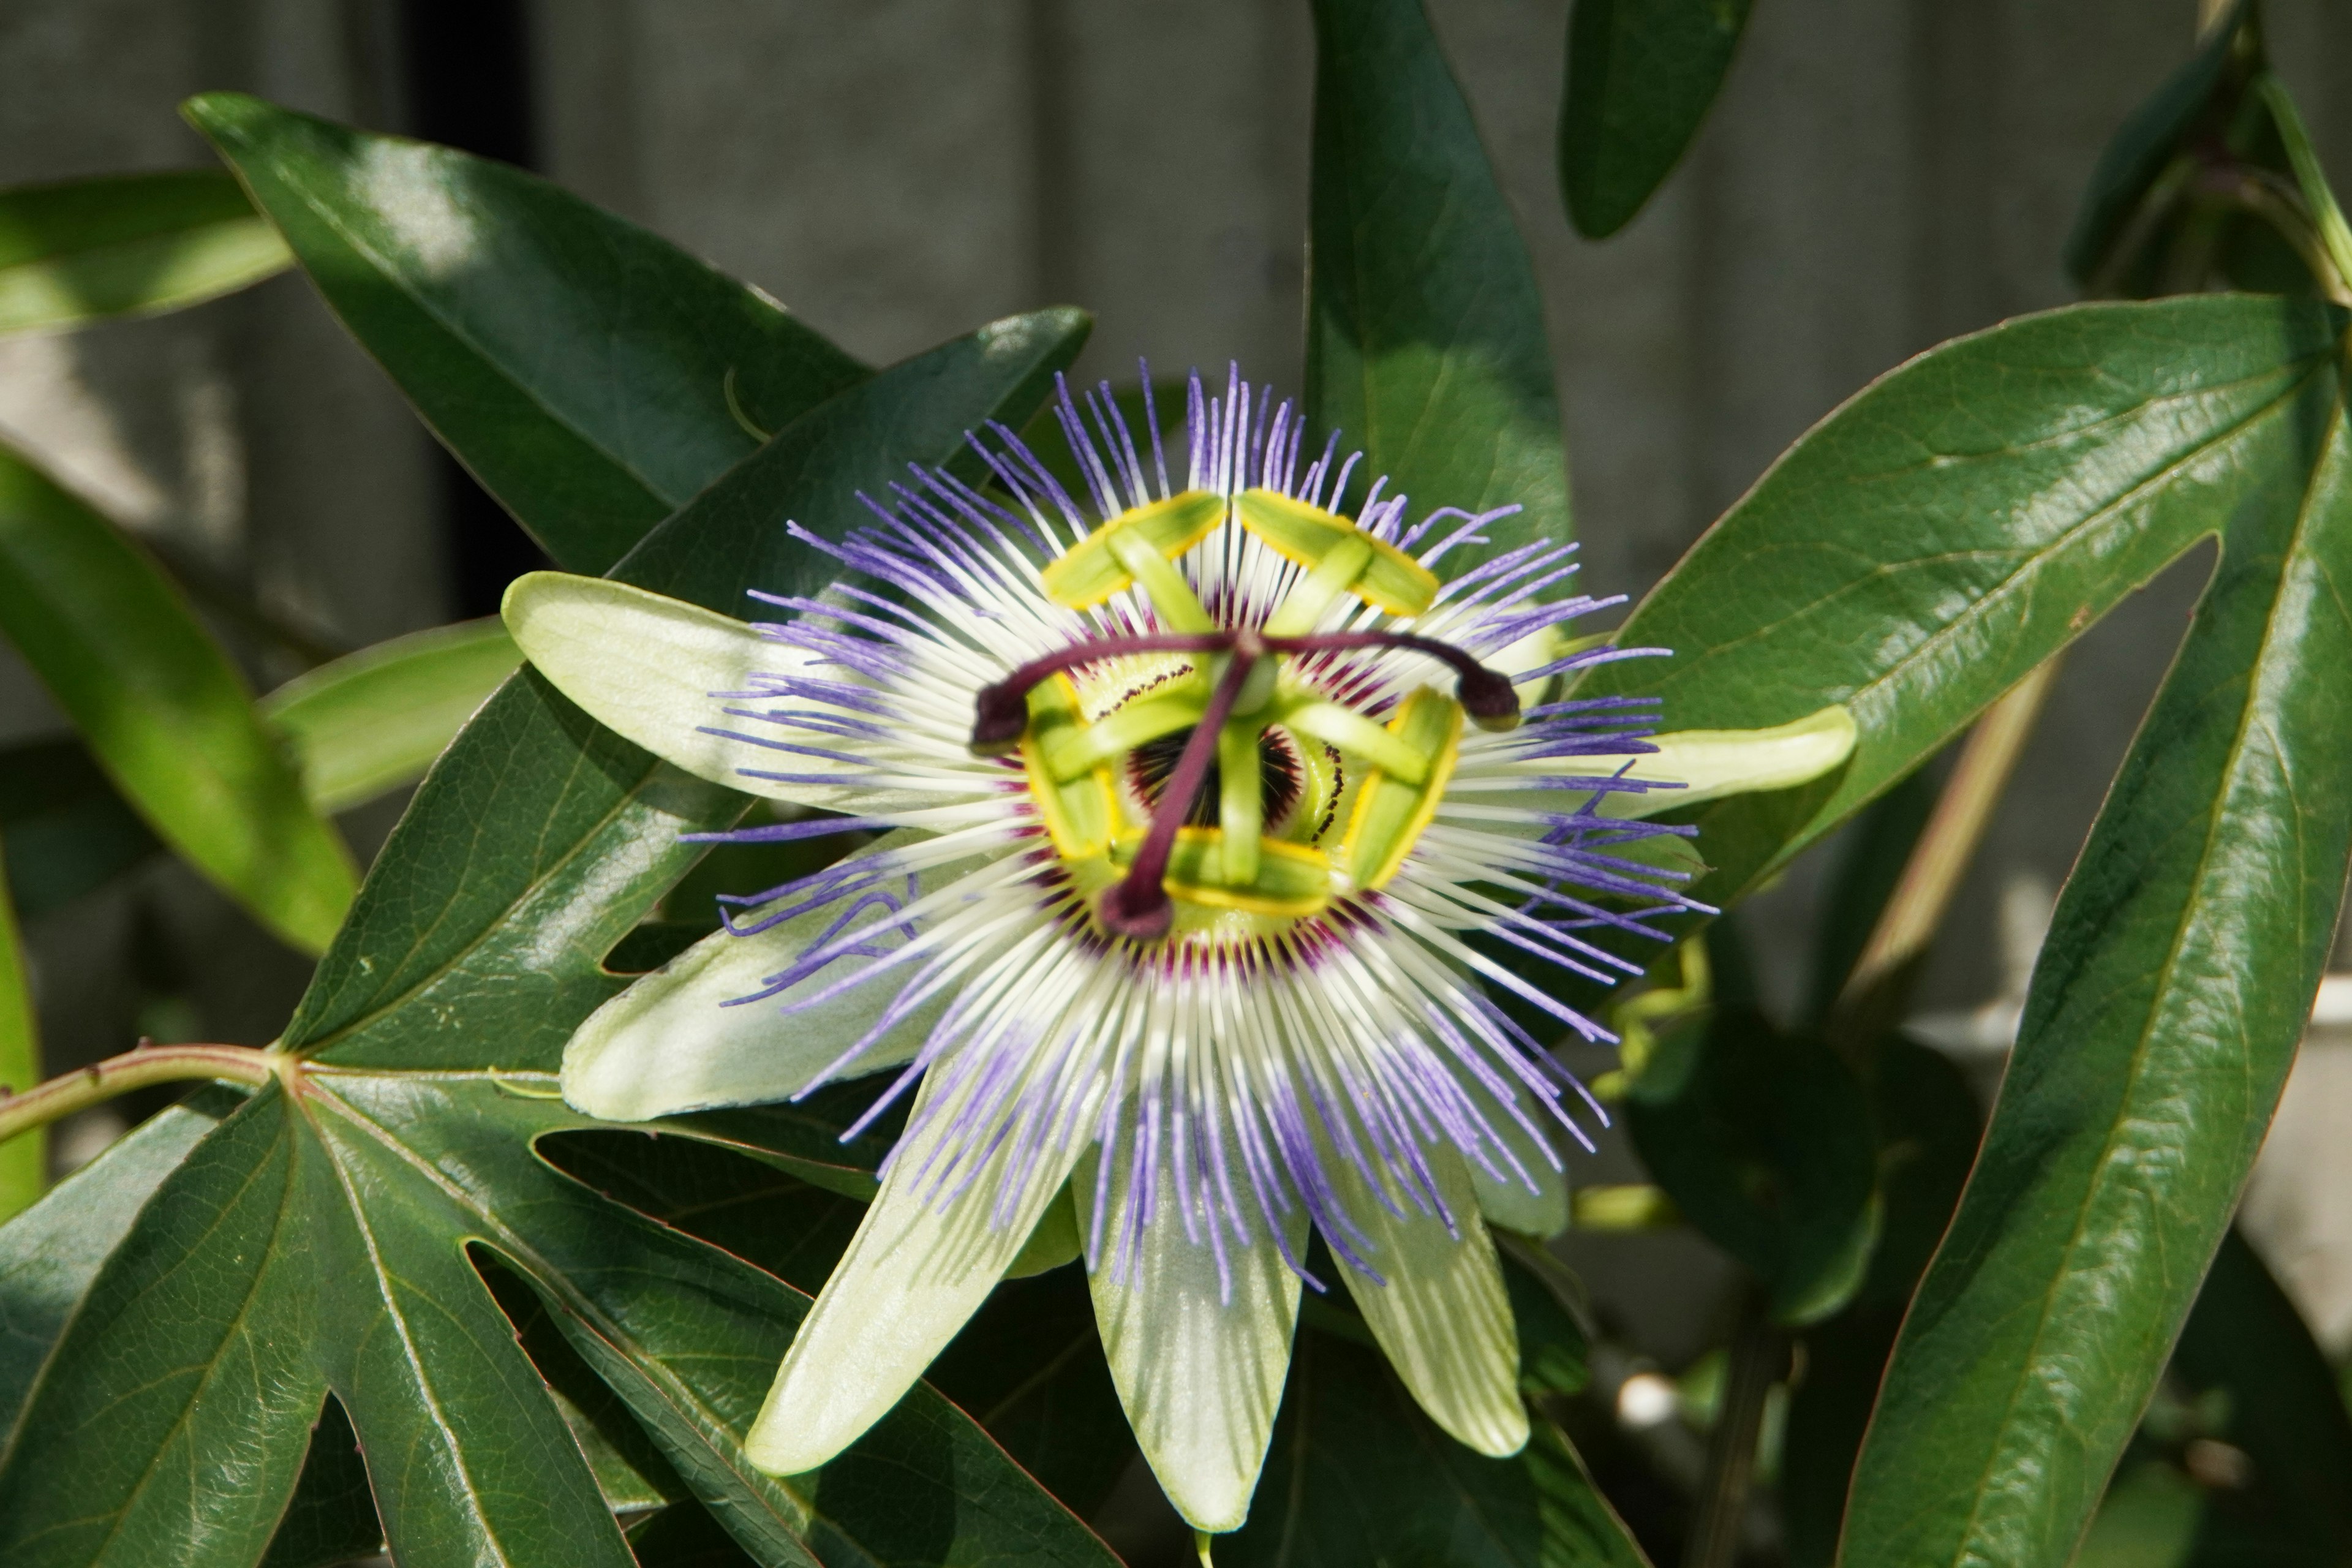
{"x": 1001, "y": 712}
{"x": 1486, "y": 696}
{"x": 1139, "y": 906}
{"x": 102, "y": 1081}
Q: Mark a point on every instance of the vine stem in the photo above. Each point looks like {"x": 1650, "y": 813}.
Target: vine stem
{"x": 102, "y": 1081}
{"x": 1759, "y": 1355}
{"x": 1873, "y": 993}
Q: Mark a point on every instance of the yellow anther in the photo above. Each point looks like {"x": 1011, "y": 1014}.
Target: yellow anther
{"x": 1390, "y": 812}
{"x": 1079, "y": 810}
{"x": 1386, "y": 578}
{"x": 1292, "y": 881}
{"x": 1139, "y": 543}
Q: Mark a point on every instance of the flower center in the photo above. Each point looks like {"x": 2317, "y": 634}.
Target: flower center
{"x": 1209, "y": 792}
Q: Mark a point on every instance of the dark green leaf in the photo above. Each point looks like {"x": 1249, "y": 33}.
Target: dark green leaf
{"x": 1763, "y": 1141}
{"x": 1961, "y": 520}
{"x": 579, "y": 366}
{"x": 1554, "y": 1351}
{"x": 49, "y": 1254}
{"x": 164, "y": 709}
{"x": 69, "y": 831}
{"x": 2162, "y": 1019}
{"x": 1424, "y": 333}
{"x": 1359, "y": 1474}
{"x": 1641, "y": 76}
{"x": 122, "y": 245}
{"x": 690, "y": 1338}
{"x": 539, "y": 838}
{"x": 331, "y": 1518}
{"x": 2285, "y": 1413}
{"x": 468, "y": 1458}
{"x": 375, "y": 720}
{"x": 172, "y": 1419}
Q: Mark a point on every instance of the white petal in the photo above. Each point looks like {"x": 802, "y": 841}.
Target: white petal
{"x": 671, "y": 1043}
{"x": 1504, "y": 1199}
{"x": 1711, "y": 763}
{"x": 911, "y": 1278}
{"x": 1200, "y": 1376}
{"x": 1442, "y": 1315}
{"x": 1055, "y": 1240}
{"x": 644, "y": 667}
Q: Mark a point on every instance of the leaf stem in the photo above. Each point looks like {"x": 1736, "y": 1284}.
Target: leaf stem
{"x": 1875, "y": 992}
{"x": 102, "y": 1081}
{"x": 1759, "y": 1354}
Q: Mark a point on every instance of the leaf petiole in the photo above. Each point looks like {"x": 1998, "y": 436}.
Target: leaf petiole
{"x": 102, "y": 1081}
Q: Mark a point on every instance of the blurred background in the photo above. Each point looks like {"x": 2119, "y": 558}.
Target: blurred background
{"x": 1879, "y": 175}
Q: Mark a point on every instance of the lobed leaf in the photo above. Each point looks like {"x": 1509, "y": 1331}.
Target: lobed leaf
{"x": 2158, "y": 1029}
{"x": 170, "y": 1422}
{"x": 1958, "y": 521}
{"x": 1425, "y": 340}
{"x": 1641, "y": 76}
{"x": 587, "y": 371}
{"x": 164, "y": 710}
{"x": 127, "y": 244}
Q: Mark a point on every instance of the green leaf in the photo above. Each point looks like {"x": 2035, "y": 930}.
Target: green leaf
{"x": 128, "y": 244}
{"x": 539, "y": 838}
{"x": 171, "y": 1418}
{"x": 68, "y": 831}
{"x": 50, "y": 1253}
{"x": 24, "y": 1160}
{"x": 163, "y": 708}
{"x": 1961, "y": 520}
{"x": 2285, "y": 1414}
{"x": 1763, "y": 1141}
{"x": 1359, "y": 1474}
{"x": 1424, "y": 332}
{"x": 375, "y": 720}
{"x": 2161, "y": 1021}
{"x": 581, "y": 367}
{"x": 1641, "y": 76}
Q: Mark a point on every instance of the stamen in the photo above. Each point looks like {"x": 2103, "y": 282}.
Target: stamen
{"x": 1486, "y": 695}
{"x": 1001, "y": 712}
{"x": 1139, "y": 906}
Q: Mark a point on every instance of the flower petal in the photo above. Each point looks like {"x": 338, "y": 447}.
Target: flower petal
{"x": 1443, "y": 1316}
{"x": 671, "y": 1042}
{"x": 912, "y": 1274}
{"x": 1711, "y": 763}
{"x": 1200, "y": 1373}
{"x": 1504, "y": 1199}
{"x": 647, "y": 667}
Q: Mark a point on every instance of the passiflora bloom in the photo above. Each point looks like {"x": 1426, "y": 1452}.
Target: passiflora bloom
{"x": 1205, "y": 807}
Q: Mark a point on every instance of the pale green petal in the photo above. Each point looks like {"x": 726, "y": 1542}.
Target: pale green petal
{"x": 1712, "y": 763}
{"x": 670, "y": 1043}
{"x": 910, "y": 1278}
{"x": 1201, "y": 1377}
{"x": 644, "y": 667}
{"x": 1707, "y": 763}
{"x": 1442, "y": 1315}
